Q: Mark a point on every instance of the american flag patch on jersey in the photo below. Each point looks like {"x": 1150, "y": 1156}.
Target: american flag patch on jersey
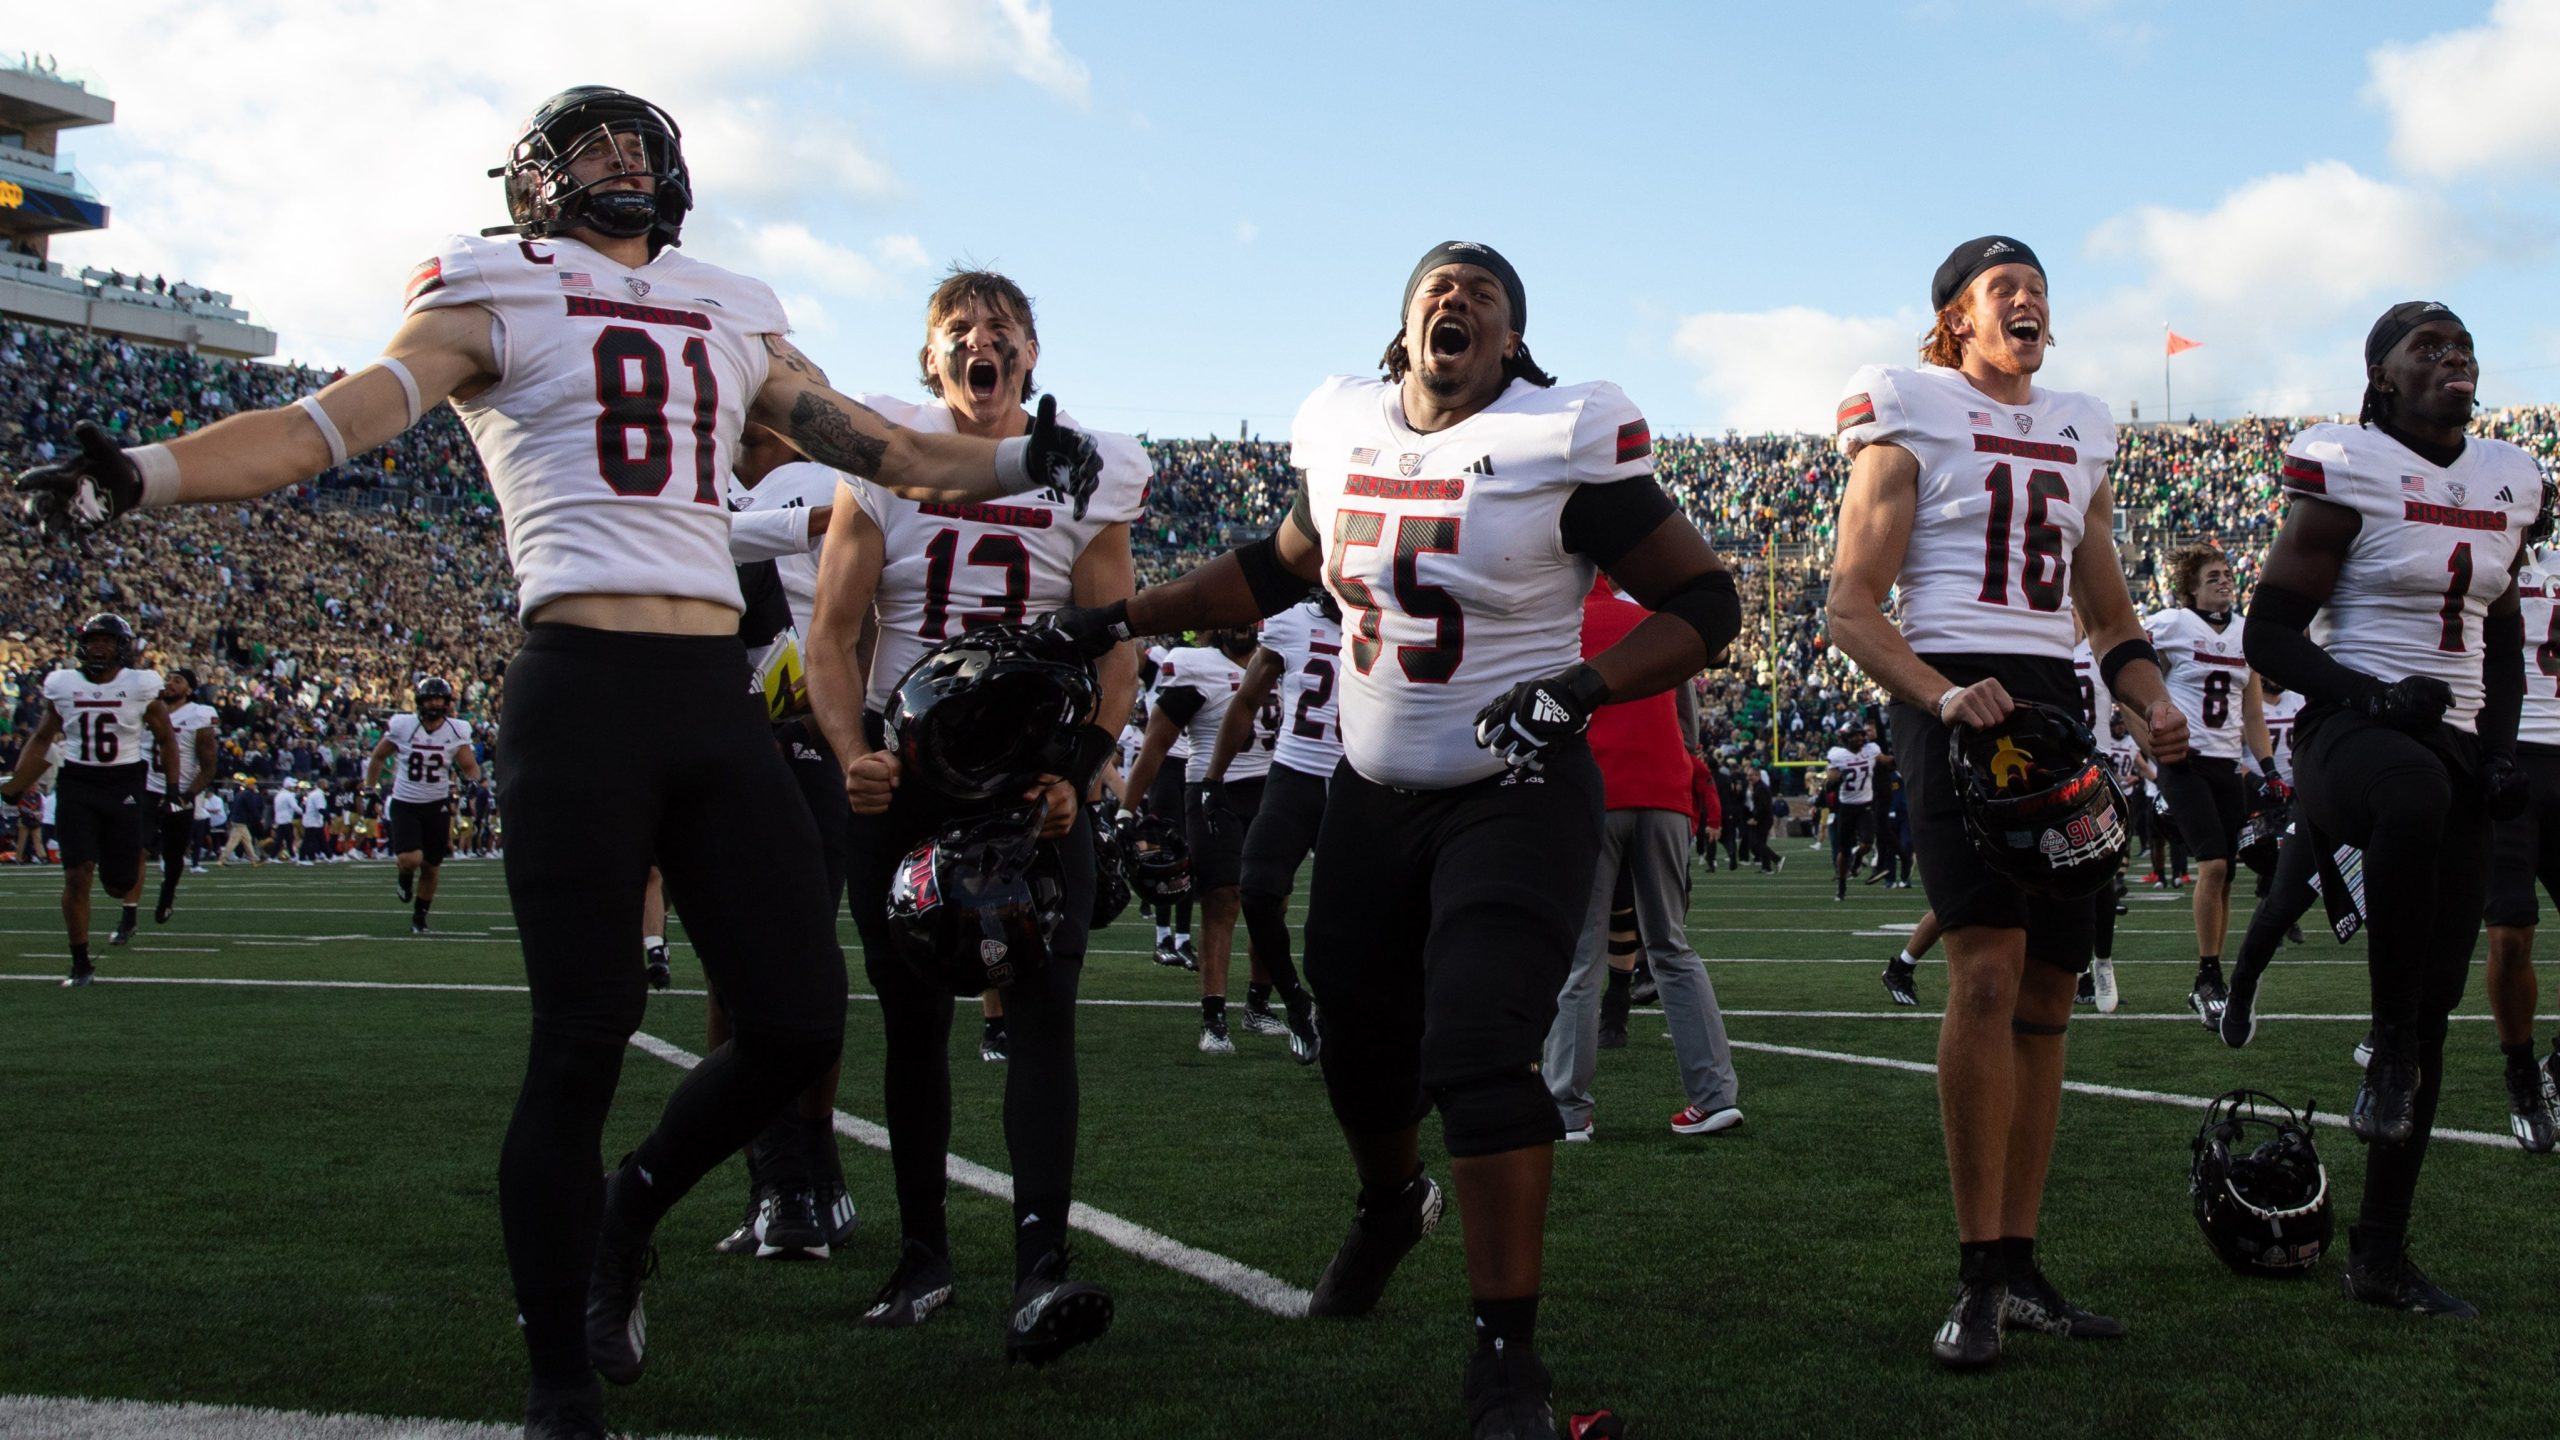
{"x": 1635, "y": 441}
{"x": 1979, "y": 417}
{"x": 1364, "y": 457}
{"x": 427, "y": 279}
{"x": 577, "y": 280}
{"x": 2413, "y": 484}
{"x": 2301, "y": 474}
{"x": 1856, "y": 410}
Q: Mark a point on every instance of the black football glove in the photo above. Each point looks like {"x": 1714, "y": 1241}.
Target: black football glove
{"x": 1061, "y": 457}
{"x": 1209, "y": 797}
{"x": 1091, "y": 629}
{"x": 75, "y": 495}
{"x": 1535, "y": 714}
{"x": 2503, "y": 782}
{"x": 2412, "y": 706}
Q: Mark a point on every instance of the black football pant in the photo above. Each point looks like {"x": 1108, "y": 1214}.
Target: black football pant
{"x": 177, "y": 833}
{"x": 1283, "y": 834}
{"x": 594, "y": 788}
{"x": 2414, "y": 806}
{"x": 2287, "y": 897}
{"x": 1040, "y": 1091}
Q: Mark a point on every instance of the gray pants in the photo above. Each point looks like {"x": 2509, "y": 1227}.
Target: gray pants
{"x": 1655, "y": 845}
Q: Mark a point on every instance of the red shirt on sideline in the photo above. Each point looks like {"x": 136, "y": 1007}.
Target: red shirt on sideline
{"x": 1637, "y": 742}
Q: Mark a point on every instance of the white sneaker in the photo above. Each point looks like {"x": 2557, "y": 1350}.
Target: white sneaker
{"x": 1580, "y": 1136}
{"x": 2103, "y": 974}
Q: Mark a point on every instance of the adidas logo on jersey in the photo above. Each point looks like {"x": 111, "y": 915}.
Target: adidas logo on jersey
{"x": 2506, "y": 495}
{"x": 1482, "y": 465}
{"x": 2070, "y": 432}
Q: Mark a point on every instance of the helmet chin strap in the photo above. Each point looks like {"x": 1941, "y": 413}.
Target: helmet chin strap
{"x": 622, "y": 214}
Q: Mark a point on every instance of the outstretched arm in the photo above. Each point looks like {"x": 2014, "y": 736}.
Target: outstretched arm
{"x": 31, "y": 760}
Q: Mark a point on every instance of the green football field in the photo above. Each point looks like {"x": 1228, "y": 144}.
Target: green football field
{"x": 256, "y": 1166}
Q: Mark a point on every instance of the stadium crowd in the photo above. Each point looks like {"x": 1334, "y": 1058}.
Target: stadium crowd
{"x": 311, "y": 619}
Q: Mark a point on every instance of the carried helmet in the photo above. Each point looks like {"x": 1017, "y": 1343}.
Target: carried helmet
{"x": 2263, "y": 836}
{"x": 973, "y": 907}
{"x": 113, "y": 629}
{"x": 2261, "y": 1194}
{"x": 544, "y": 198}
{"x": 1157, "y": 860}
{"x": 990, "y": 712}
{"x": 1110, "y": 876}
{"x": 2040, "y": 805}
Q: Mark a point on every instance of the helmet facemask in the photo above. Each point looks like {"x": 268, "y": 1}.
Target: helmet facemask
{"x": 545, "y": 196}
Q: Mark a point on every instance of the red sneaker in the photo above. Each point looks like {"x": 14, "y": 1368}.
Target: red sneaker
{"x": 1694, "y": 1121}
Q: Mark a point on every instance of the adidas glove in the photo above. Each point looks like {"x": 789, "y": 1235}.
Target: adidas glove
{"x": 1062, "y": 457}
{"x": 1210, "y": 798}
{"x": 2505, "y": 785}
{"x": 2412, "y": 706}
{"x": 85, "y": 490}
{"x": 1535, "y": 714}
{"x": 1091, "y": 629}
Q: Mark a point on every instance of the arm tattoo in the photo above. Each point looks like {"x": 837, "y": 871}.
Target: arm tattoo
{"x": 789, "y": 356}
{"x": 827, "y": 435}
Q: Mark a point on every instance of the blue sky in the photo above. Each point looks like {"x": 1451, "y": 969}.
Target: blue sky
{"x": 1724, "y": 207}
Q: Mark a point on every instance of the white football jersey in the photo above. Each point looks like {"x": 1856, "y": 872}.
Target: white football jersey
{"x": 2285, "y": 706}
{"x": 2004, "y": 498}
{"x": 1309, "y": 644}
{"x": 2538, "y": 593}
{"x": 945, "y": 569}
{"x": 2207, "y": 676}
{"x": 797, "y": 487}
{"x": 1857, "y": 771}
{"x": 1205, "y": 671}
{"x": 616, "y": 417}
{"x": 2433, "y": 552}
{"x": 2095, "y": 702}
{"x": 1446, "y": 554}
{"x": 422, "y": 763}
{"x": 184, "y": 722}
{"x": 102, "y": 721}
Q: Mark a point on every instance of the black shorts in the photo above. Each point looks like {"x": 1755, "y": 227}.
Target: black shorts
{"x": 1962, "y": 890}
{"x": 2527, "y": 847}
{"x": 2208, "y": 802}
{"x": 177, "y": 828}
{"x": 1284, "y": 830}
{"x": 1440, "y": 927}
{"x": 1217, "y": 850}
{"x": 1848, "y": 826}
{"x": 690, "y": 782}
{"x": 98, "y": 815}
{"x": 425, "y": 826}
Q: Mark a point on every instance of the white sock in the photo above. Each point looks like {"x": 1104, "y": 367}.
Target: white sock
{"x": 652, "y": 942}
{"x": 1164, "y": 935}
{"x": 1908, "y": 960}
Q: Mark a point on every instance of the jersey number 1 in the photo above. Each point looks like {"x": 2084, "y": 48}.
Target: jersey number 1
{"x": 2046, "y": 572}
{"x": 622, "y": 355}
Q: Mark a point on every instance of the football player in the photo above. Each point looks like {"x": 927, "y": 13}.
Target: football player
{"x": 2390, "y": 601}
{"x": 1458, "y": 511}
{"x": 1299, "y": 656}
{"x": 174, "y": 812}
{"x": 2208, "y": 801}
{"x": 1164, "y": 798}
{"x": 2526, "y": 853}
{"x": 1194, "y": 693}
{"x": 1985, "y": 498}
{"x": 1853, "y": 771}
{"x": 931, "y": 571}
{"x": 102, "y": 710}
{"x": 424, "y": 749}
{"x": 605, "y": 377}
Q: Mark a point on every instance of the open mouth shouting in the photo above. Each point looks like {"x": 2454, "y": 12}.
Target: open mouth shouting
{"x": 982, "y": 376}
{"x": 1449, "y": 338}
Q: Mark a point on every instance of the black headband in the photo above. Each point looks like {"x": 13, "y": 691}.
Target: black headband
{"x": 1972, "y": 258}
{"x": 1468, "y": 252}
{"x": 2398, "y": 321}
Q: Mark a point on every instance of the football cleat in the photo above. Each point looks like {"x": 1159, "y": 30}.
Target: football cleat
{"x": 160, "y": 913}
{"x": 789, "y": 1229}
{"x": 417, "y": 927}
{"x": 2205, "y": 997}
{"x": 2102, "y": 979}
{"x": 2238, "y": 1022}
{"x": 2386, "y": 1103}
{"x": 1641, "y": 990}
{"x": 742, "y": 1241}
{"x": 1166, "y": 955}
{"x": 1053, "y": 1314}
{"x": 1263, "y": 1022}
{"x": 1898, "y": 982}
{"x": 993, "y": 1043}
{"x": 1699, "y": 1120}
{"x": 1613, "y": 1037}
{"x": 661, "y": 974}
{"x": 1969, "y": 1339}
{"x": 2529, "y": 1109}
{"x": 1305, "y": 1041}
{"x": 1509, "y": 1394}
{"x": 124, "y": 929}
{"x": 2293, "y": 934}
{"x": 408, "y": 886}
{"x": 617, "y": 1327}
{"x": 835, "y": 1209}
{"x": 2086, "y": 992}
{"x": 575, "y": 1419}
{"x": 82, "y": 972}
{"x": 2396, "y": 1282}
{"x": 1185, "y": 955}
{"x": 919, "y": 1286}
{"x": 1213, "y": 1038}
{"x": 1380, "y": 1237}
{"x": 2034, "y": 1304}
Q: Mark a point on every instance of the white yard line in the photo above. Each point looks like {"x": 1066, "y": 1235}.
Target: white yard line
{"x": 74, "y": 1419}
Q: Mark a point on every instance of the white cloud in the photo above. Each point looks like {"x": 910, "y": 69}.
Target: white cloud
{"x": 1245, "y": 232}
{"x": 2477, "y": 99}
{"x": 1782, "y": 369}
{"x": 901, "y": 252}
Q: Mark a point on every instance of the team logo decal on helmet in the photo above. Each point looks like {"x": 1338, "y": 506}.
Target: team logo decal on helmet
{"x": 991, "y": 712}
{"x": 2040, "y": 805}
{"x": 973, "y": 907}
{"x": 2261, "y": 1194}
{"x": 544, "y": 198}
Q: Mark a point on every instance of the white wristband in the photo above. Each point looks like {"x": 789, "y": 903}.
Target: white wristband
{"x": 408, "y": 384}
{"x": 1013, "y": 473}
{"x": 159, "y": 470}
{"x": 1940, "y": 709}
{"x": 336, "y": 442}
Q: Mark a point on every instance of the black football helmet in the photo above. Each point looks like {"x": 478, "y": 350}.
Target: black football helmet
{"x": 987, "y": 713}
{"x": 2040, "y": 805}
{"x": 1157, "y": 860}
{"x": 2261, "y": 1194}
{"x": 1110, "y": 878}
{"x": 973, "y": 907}
{"x": 2263, "y": 836}
{"x": 118, "y": 641}
{"x": 544, "y": 198}
{"x": 435, "y": 687}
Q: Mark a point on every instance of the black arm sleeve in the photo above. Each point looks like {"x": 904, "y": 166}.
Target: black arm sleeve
{"x": 2277, "y": 642}
{"x": 1180, "y": 702}
{"x": 1606, "y": 521}
{"x": 1273, "y": 587}
{"x": 1709, "y": 605}
{"x": 2502, "y": 677}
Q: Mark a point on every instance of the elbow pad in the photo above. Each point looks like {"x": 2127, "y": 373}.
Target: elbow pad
{"x": 1274, "y": 588}
{"x": 1709, "y": 605}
